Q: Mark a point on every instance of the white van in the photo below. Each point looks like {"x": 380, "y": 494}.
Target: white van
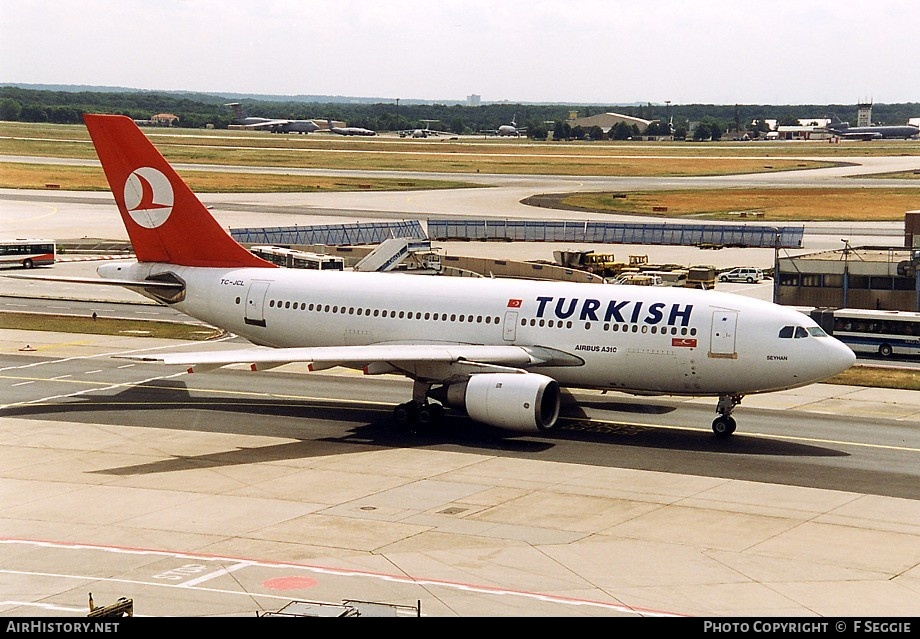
{"x": 742, "y": 274}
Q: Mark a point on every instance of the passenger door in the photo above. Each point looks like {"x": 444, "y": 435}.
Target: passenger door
{"x": 255, "y": 303}
{"x": 509, "y": 332}
{"x": 722, "y": 335}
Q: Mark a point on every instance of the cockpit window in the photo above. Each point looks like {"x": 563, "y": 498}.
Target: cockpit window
{"x": 797, "y": 332}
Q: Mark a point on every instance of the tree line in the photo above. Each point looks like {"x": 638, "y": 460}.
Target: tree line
{"x": 199, "y": 110}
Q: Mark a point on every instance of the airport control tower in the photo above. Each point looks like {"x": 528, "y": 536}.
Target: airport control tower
{"x": 864, "y": 114}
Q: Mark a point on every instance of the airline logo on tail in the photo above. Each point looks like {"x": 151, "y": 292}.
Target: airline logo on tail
{"x": 148, "y": 197}
{"x": 166, "y": 222}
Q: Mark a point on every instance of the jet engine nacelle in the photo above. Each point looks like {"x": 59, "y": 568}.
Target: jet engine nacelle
{"x": 524, "y": 402}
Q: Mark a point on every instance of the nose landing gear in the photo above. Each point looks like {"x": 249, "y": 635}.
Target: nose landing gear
{"x": 724, "y": 424}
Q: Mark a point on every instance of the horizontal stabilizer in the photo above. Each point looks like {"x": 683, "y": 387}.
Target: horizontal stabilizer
{"x": 98, "y": 280}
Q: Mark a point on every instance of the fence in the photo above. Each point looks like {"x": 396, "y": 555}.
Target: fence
{"x": 331, "y": 234}
{"x": 743, "y": 235}
{"x": 445, "y": 230}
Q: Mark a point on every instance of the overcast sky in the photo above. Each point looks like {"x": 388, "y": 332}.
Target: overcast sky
{"x": 580, "y": 51}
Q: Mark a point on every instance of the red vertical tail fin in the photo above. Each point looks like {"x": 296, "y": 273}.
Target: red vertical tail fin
{"x": 165, "y": 220}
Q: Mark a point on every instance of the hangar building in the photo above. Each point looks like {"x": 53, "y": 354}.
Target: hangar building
{"x": 608, "y": 120}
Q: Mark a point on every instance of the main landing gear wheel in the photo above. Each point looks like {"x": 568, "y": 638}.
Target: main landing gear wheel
{"x": 429, "y": 415}
{"x": 415, "y": 416}
{"x": 405, "y": 415}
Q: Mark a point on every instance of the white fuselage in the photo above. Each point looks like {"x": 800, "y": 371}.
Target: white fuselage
{"x": 632, "y": 338}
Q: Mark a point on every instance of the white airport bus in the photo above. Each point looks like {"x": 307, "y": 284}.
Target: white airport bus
{"x": 27, "y": 252}
{"x": 886, "y": 333}
{"x": 292, "y": 258}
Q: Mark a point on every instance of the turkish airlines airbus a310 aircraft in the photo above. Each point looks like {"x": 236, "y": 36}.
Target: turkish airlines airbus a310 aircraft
{"x": 499, "y": 350}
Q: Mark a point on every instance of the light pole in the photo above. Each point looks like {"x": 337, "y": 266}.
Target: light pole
{"x": 397, "y": 114}
{"x": 846, "y": 269}
{"x": 775, "y": 265}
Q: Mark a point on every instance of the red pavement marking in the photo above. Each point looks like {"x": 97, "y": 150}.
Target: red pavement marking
{"x": 289, "y": 583}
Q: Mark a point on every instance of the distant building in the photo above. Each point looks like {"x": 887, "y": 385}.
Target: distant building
{"x": 160, "y": 119}
{"x": 473, "y": 100}
{"x": 164, "y": 119}
{"x": 806, "y": 129}
{"x": 802, "y": 132}
{"x": 864, "y": 114}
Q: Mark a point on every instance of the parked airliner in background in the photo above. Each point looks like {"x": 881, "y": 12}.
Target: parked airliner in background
{"x": 427, "y": 132}
{"x": 499, "y": 350}
{"x": 276, "y": 125}
{"x": 347, "y": 130}
{"x": 878, "y": 132}
{"x": 508, "y": 130}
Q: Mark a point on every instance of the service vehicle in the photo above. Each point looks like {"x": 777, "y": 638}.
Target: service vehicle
{"x": 742, "y": 274}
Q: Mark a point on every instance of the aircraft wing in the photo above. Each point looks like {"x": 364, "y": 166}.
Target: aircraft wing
{"x": 378, "y": 356}
{"x": 429, "y": 132}
{"x": 862, "y": 136}
{"x": 268, "y": 124}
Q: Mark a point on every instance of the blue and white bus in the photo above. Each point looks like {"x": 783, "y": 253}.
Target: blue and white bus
{"x": 885, "y": 333}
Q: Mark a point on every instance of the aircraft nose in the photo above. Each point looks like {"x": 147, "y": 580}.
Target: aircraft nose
{"x": 839, "y": 356}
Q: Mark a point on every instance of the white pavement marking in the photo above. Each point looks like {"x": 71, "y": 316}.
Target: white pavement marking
{"x": 239, "y": 564}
